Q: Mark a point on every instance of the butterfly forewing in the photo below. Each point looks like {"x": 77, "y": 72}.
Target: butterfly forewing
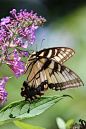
{"x": 60, "y": 54}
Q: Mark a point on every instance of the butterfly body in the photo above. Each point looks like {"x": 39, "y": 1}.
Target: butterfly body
{"x": 45, "y": 69}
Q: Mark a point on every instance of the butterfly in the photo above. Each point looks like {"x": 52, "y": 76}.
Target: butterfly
{"x": 45, "y": 69}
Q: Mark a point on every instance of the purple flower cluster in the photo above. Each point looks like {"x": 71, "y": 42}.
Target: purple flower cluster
{"x": 3, "y": 93}
{"x": 13, "y": 30}
{"x": 15, "y": 64}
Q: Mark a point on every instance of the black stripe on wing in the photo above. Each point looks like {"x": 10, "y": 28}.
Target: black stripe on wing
{"x": 60, "y": 77}
{"x": 60, "y": 54}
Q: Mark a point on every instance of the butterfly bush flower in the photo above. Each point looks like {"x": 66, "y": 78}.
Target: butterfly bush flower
{"x": 13, "y": 30}
{"x": 3, "y": 93}
{"x": 15, "y": 64}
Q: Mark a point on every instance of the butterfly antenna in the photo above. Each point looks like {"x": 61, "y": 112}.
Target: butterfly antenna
{"x": 41, "y": 43}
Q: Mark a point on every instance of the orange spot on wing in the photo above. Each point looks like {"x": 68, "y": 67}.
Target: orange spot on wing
{"x": 45, "y": 86}
{"x": 24, "y": 88}
{"x": 38, "y": 96}
{"x": 25, "y": 95}
{"x": 42, "y": 92}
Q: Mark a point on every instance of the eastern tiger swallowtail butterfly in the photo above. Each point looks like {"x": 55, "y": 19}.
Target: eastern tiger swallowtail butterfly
{"x": 45, "y": 69}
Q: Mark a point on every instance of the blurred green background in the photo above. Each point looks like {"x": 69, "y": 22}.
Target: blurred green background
{"x": 66, "y": 27}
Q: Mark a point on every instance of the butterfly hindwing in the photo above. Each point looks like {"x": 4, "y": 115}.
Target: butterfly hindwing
{"x": 59, "y": 76}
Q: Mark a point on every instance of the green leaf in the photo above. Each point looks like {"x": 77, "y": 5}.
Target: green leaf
{"x": 18, "y": 109}
{"x": 26, "y": 126}
{"x": 60, "y": 123}
{"x": 69, "y": 123}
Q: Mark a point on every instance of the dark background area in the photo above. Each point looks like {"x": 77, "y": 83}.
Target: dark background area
{"x": 66, "y": 27}
{"x": 51, "y": 9}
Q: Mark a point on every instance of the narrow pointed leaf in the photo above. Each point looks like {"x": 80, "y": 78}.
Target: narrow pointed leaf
{"x": 23, "y": 125}
{"x": 69, "y": 123}
{"x": 18, "y": 109}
